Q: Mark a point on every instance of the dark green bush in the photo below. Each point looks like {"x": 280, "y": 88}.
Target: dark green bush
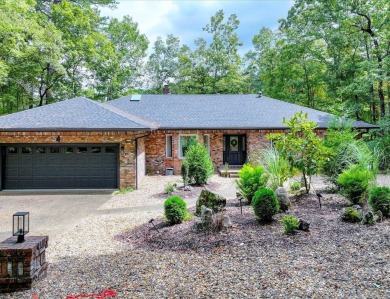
{"x": 200, "y": 167}
{"x": 265, "y": 204}
{"x": 354, "y": 183}
{"x": 175, "y": 209}
{"x": 379, "y": 200}
{"x": 251, "y": 179}
{"x": 290, "y": 224}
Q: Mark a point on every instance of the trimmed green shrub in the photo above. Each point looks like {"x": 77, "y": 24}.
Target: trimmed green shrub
{"x": 200, "y": 166}
{"x": 355, "y": 183}
{"x": 251, "y": 179}
{"x": 290, "y": 224}
{"x": 379, "y": 200}
{"x": 175, "y": 209}
{"x": 352, "y": 214}
{"x": 265, "y": 204}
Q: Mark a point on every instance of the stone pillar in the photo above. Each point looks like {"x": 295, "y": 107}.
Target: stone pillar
{"x": 22, "y": 264}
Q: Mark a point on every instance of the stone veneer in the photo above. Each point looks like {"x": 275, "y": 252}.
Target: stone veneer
{"x": 125, "y": 139}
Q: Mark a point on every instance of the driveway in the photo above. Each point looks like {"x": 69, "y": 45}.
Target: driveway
{"x": 51, "y": 213}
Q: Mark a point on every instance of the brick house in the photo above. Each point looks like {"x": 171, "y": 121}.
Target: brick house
{"x": 80, "y": 143}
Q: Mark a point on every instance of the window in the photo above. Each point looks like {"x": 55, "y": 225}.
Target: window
{"x": 40, "y": 150}
{"x": 168, "y": 148}
{"x": 185, "y": 142}
{"x": 12, "y": 150}
{"x": 54, "y": 150}
{"x": 206, "y": 142}
{"x": 27, "y": 150}
{"x": 68, "y": 150}
{"x": 96, "y": 150}
{"x": 81, "y": 150}
{"x": 110, "y": 150}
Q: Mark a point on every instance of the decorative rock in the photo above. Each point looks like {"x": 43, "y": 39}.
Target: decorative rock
{"x": 207, "y": 216}
{"x": 188, "y": 188}
{"x": 370, "y": 218}
{"x": 284, "y": 201}
{"x": 379, "y": 214}
{"x": 226, "y": 222}
{"x": 303, "y": 225}
{"x": 352, "y": 214}
{"x": 211, "y": 200}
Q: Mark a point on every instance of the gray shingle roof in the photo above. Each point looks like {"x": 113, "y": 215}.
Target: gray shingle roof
{"x": 218, "y": 111}
{"x": 74, "y": 114}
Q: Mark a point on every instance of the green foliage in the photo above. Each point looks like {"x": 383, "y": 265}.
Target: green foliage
{"x": 185, "y": 172}
{"x": 169, "y": 188}
{"x": 352, "y": 214}
{"x": 276, "y": 166}
{"x": 200, "y": 166}
{"x": 379, "y": 200}
{"x": 251, "y": 179}
{"x": 355, "y": 182}
{"x": 295, "y": 186}
{"x": 290, "y": 224}
{"x": 123, "y": 191}
{"x": 175, "y": 209}
{"x": 265, "y": 204}
{"x": 301, "y": 147}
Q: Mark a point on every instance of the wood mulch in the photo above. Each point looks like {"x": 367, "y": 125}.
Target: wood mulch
{"x": 333, "y": 260}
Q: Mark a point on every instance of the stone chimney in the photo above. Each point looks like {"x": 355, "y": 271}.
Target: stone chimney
{"x": 166, "y": 89}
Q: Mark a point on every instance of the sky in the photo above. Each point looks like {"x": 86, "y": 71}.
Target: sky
{"x": 185, "y": 19}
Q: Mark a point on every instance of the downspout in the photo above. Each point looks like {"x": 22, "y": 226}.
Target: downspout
{"x": 136, "y": 157}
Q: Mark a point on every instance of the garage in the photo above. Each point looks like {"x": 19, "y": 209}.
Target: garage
{"x": 66, "y": 166}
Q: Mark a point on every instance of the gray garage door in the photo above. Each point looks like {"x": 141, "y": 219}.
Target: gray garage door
{"x": 60, "y": 167}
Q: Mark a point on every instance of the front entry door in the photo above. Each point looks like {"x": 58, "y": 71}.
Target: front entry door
{"x": 234, "y": 149}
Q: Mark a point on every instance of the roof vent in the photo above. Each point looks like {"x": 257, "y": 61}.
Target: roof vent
{"x": 260, "y": 94}
{"x": 135, "y": 97}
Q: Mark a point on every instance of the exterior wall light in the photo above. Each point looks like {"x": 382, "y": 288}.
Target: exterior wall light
{"x": 21, "y": 225}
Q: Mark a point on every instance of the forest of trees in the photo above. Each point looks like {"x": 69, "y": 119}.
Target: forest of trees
{"x": 327, "y": 54}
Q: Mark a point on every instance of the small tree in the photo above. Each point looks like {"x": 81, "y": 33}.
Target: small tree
{"x": 301, "y": 146}
{"x": 200, "y": 166}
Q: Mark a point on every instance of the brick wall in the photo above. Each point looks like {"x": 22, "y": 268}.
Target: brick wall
{"x": 127, "y": 171}
{"x": 155, "y": 146}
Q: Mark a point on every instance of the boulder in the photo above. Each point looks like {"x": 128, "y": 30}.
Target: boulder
{"x": 370, "y": 218}
{"x": 379, "y": 214}
{"x": 210, "y": 200}
{"x": 352, "y": 214}
{"x": 284, "y": 201}
{"x": 188, "y": 188}
{"x": 226, "y": 222}
{"x": 303, "y": 225}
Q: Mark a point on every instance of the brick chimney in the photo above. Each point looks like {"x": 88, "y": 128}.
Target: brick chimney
{"x": 166, "y": 89}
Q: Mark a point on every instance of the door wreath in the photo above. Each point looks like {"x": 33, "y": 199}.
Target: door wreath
{"x": 233, "y": 142}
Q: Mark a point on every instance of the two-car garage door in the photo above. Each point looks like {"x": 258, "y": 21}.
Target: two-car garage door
{"x": 60, "y": 166}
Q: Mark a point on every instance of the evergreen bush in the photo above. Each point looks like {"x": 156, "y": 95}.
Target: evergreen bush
{"x": 200, "y": 166}
{"x": 175, "y": 209}
{"x": 354, "y": 183}
{"x": 265, "y": 204}
{"x": 379, "y": 200}
{"x": 251, "y": 179}
{"x": 290, "y": 224}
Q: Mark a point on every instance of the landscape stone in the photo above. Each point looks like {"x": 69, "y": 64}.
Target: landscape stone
{"x": 284, "y": 201}
{"x": 370, "y": 218}
{"x": 303, "y": 225}
{"x": 211, "y": 200}
{"x": 226, "y": 222}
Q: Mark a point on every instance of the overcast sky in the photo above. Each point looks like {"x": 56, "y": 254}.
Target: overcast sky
{"x": 185, "y": 19}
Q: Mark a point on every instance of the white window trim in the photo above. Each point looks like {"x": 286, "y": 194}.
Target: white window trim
{"x": 179, "y": 147}
{"x": 208, "y": 143}
{"x": 166, "y": 146}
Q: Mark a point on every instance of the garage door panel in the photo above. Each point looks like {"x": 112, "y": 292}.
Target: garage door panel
{"x": 65, "y": 166}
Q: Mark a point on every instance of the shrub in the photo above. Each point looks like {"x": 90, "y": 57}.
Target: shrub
{"x": 251, "y": 179}
{"x": 169, "y": 188}
{"x": 354, "y": 183}
{"x": 265, "y": 204}
{"x": 276, "y": 166}
{"x": 175, "y": 209}
{"x": 290, "y": 224}
{"x": 295, "y": 186}
{"x": 184, "y": 172}
{"x": 379, "y": 200}
{"x": 200, "y": 167}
